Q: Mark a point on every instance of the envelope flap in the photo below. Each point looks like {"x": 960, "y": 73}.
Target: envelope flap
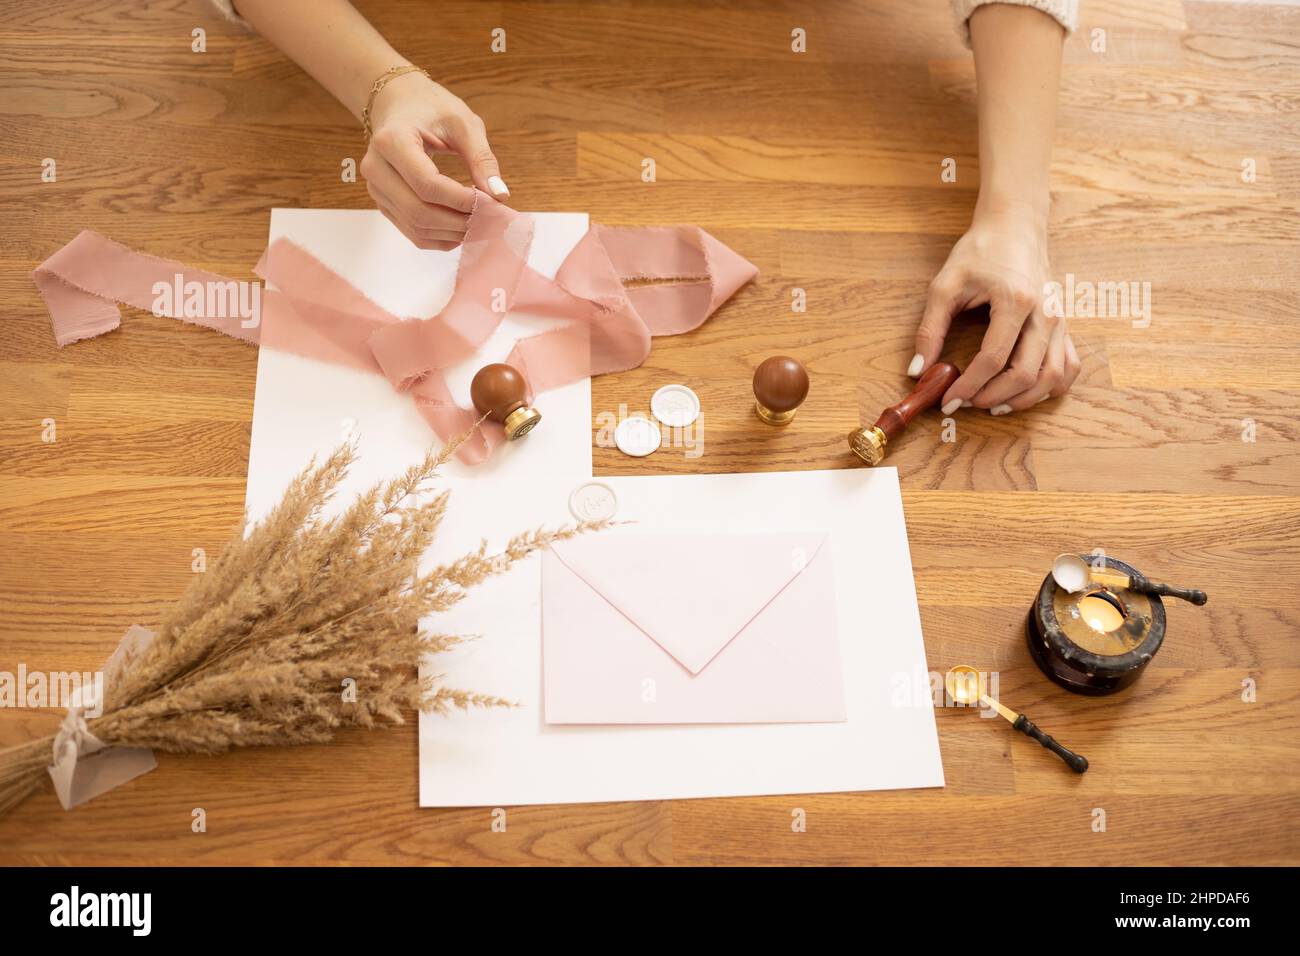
{"x": 690, "y": 593}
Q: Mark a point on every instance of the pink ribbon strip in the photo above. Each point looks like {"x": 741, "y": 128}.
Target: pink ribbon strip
{"x": 617, "y": 288}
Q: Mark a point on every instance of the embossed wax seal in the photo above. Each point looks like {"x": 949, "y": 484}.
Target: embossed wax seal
{"x": 594, "y": 501}
{"x": 675, "y": 405}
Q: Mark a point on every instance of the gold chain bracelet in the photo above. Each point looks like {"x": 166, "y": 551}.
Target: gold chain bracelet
{"x": 383, "y": 80}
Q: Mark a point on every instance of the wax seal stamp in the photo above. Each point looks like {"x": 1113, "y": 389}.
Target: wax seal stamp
{"x": 869, "y": 443}
{"x": 675, "y": 405}
{"x": 593, "y": 501}
{"x": 780, "y": 386}
{"x": 499, "y": 392}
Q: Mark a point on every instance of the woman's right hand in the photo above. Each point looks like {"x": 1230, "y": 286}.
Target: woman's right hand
{"x": 1027, "y": 355}
{"x": 411, "y": 117}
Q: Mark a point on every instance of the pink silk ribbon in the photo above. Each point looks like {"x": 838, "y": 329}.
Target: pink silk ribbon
{"x": 617, "y": 288}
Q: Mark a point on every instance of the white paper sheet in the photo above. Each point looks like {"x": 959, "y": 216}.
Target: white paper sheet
{"x": 502, "y": 757}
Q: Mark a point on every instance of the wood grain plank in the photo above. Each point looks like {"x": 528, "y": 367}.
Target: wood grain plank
{"x": 822, "y": 168}
{"x": 923, "y": 829}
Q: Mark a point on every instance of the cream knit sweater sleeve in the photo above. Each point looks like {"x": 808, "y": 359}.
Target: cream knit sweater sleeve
{"x": 1064, "y": 12}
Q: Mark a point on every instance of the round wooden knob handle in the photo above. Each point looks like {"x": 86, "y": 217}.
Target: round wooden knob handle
{"x": 497, "y": 390}
{"x": 500, "y": 392}
{"x": 780, "y": 386}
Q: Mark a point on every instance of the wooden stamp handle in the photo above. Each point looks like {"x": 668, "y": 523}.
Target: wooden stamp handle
{"x": 938, "y": 378}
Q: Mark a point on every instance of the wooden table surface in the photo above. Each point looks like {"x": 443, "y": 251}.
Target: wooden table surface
{"x": 1178, "y": 449}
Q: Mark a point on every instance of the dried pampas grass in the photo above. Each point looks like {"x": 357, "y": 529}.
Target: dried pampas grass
{"x": 257, "y": 650}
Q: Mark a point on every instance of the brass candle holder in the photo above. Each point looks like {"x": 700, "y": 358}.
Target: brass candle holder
{"x": 1096, "y": 623}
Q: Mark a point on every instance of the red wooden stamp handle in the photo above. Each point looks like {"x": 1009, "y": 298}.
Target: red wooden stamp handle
{"x": 930, "y": 387}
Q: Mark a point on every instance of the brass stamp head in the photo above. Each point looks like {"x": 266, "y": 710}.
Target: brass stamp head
{"x": 521, "y": 421}
{"x": 868, "y": 444}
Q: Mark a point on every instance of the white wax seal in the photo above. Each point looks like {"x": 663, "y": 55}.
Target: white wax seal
{"x": 594, "y": 501}
{"x": 675, "y": 405}
{"x": 637, "y": 437}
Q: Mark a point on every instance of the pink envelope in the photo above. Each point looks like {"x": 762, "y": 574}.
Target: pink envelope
{"x": 691, "y": 628}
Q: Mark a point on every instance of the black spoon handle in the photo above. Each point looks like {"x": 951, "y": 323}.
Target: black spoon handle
{"x": 1142, "y": 585}
{"x": 1076, "y": 762}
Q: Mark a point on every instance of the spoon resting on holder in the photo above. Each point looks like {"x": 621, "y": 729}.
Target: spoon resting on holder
{"x": 869, "y": 443}
{"x": 1073, "y": 574}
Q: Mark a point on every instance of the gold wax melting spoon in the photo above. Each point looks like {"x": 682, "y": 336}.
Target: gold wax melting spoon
{"x": 1072, "y": 573}
{"x": 963, "y": 682}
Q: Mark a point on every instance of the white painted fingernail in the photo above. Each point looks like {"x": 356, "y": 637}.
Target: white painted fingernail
{"x": 967, "y": 404}
{"x": 498, "y": 186}
{"x": 914, "y": 369}
{"x": 951, "y": 406}
{"x": 999, "y": 409}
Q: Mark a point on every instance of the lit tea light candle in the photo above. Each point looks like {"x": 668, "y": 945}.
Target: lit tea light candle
{"x": 1101, "y": 613}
